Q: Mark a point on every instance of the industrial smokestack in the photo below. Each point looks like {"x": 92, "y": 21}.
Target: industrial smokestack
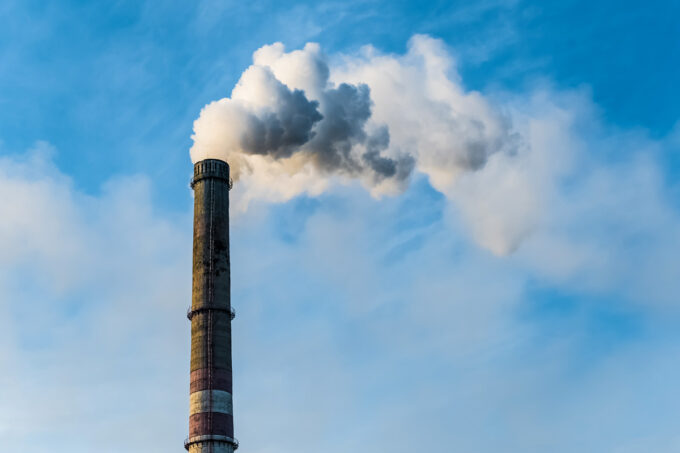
{"x": 211, "y": 422}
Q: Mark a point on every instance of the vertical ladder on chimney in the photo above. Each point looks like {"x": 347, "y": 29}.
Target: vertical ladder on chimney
{"x": 211, "y": 283}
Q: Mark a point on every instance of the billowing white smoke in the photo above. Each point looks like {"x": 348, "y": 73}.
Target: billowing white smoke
{"x": 294, "y": 124}
{"x": 285, "y": 112}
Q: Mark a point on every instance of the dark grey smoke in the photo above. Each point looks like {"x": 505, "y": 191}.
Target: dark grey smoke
{"x": 282, "y": 132}
{"x": 346, "y": 110}
{"x": 327, "y": 132}
{"x": 384, "y": 167}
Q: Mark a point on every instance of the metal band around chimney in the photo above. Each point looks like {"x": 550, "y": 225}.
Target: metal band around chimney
{"x": 191, "y": 313}
{"x": 212, "y": 438}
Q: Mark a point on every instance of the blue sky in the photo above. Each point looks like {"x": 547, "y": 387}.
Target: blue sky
{"x": 365, "y": 324}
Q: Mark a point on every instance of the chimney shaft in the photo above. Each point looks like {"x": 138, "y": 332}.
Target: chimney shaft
{"x": 211, "y": 423}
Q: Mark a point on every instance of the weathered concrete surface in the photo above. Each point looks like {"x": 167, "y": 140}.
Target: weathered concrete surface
{"x": 216, "y": 422}
{"x": 211, "y": 373}
{"x": 210, "y": 401}
{"x": 202, "y": 380}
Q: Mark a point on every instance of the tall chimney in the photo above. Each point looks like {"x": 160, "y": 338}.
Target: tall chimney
{"x": 211, "y": 422}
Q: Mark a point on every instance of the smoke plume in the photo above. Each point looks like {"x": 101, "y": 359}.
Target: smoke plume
{"x": 298, "y": 122}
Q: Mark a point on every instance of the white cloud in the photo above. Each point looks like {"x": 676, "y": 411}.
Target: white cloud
{"x": 91, "y": 299}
